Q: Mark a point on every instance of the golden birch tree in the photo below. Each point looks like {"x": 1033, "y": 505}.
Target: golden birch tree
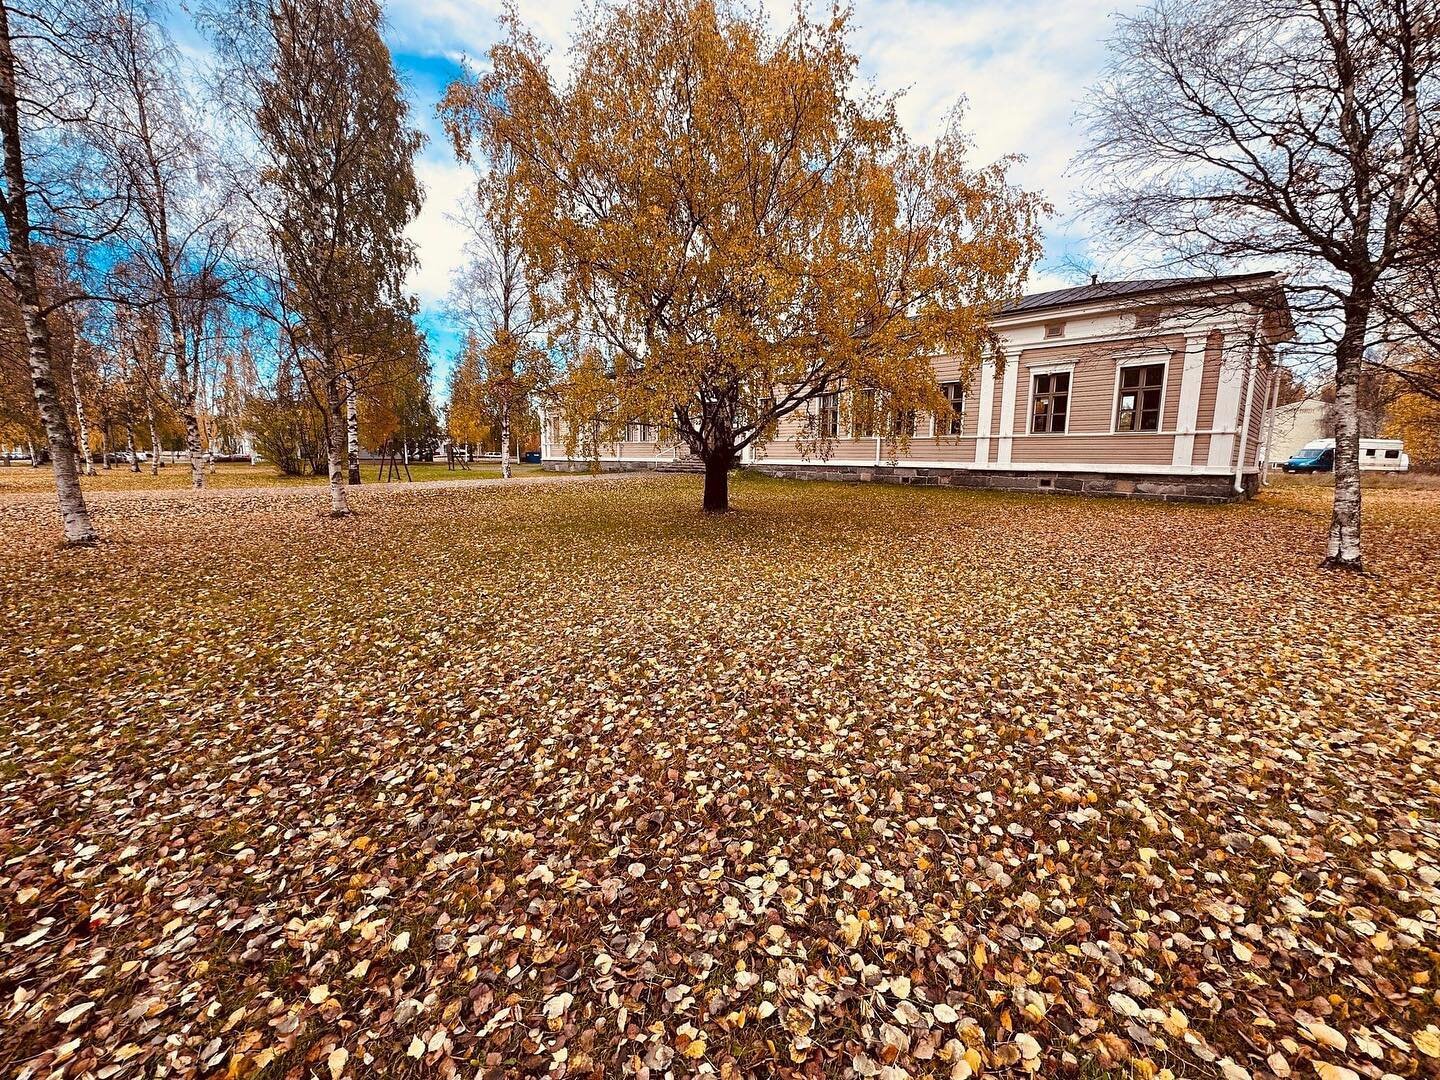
{"x": 733, "y": 224}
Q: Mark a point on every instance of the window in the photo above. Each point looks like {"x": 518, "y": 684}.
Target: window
{"x": 827, "y": 416}
{"x": 1142, "y": 391}
{"x": 909, "y": 423}
{"x": 951, "y": 424}
{"x": 862, "y": 424}
{"x": 1370, "y": 452}
{"x": 639, "y": 432}
{"x": 1392, "y": 455}
{"x": 1054, "y": 329}
{"x": 1050, "y": 402}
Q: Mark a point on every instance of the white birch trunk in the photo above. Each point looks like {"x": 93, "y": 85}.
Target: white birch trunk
{"x": 352, "y": 431}
{"x": 505, "y": 443}
{"x": 194, "y": 449}
{"x": 104, "y": 449}
{"x": 87, "y": 462}
{"x": 1343, "y": 550}
{"x": 154, "y": 442}
{"x": 335, "y": 448}
{"x": 130, "y": 447}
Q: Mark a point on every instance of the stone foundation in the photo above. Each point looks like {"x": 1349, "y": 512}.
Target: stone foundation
{"x": 1195, "y": 489}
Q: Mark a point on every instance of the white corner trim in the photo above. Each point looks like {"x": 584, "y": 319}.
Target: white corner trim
{"x": 1007, "y": 409}
{"x": 1234, "y": 363}
{"x": 986, "y": 409}
{"x": 1192, "y": 374}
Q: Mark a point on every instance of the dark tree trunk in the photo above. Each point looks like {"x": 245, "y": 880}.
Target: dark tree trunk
{"x": 717, "y": 485}
{"x": 73, "y": 511}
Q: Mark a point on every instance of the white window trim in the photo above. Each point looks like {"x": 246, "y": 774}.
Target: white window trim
{"x": 1154, "y": 358}
{"x": 1047, "y": 369}
{"x": 964, "y": 396}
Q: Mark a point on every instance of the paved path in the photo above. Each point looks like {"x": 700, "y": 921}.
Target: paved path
{"x": 317, "y": 492}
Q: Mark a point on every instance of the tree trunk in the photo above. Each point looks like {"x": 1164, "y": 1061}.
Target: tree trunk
{"x": 1343, "y": 550}
{"x": 335, "y": 445}
{"x": 105, "y": 447}
{"x": 505, "y": 443}
{"x": 87, "y": 461}
{"x": 717, "y": 485}
{"x": 154, "y": 443}
{"x": 73, "y": 511}
{"x": 194, "y": 449}
{"x": 352, "y": 431}
{"x": 130, "y": 446}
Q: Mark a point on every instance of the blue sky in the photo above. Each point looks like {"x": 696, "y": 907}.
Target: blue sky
{"x": 1023, "y": 66}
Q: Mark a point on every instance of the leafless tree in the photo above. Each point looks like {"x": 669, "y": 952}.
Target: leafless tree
{"x": 1297, "y": 135}
{"x": 178, "y": 239}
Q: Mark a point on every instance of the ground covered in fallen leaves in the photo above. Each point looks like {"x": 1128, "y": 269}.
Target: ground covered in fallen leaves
{"x": 856, "y": 781}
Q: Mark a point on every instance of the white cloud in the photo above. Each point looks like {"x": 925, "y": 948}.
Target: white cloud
{"x": 439, "y": 239}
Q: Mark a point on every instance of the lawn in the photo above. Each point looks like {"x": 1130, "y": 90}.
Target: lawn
{"x": 858, "y": 780}
{"x": 20, "y": 477}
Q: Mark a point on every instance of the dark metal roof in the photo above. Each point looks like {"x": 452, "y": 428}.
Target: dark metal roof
{"x": 1111, "y": 290}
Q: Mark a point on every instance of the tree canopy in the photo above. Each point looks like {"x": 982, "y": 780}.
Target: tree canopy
{"x": 734, "y": 224}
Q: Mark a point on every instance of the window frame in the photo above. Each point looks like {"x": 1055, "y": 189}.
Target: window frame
{"x": 820, "y": 400}
{"x": 1034, "y": 372}
{"x": 648, "y": 432}
{"x": 1155, "y": 360}
{"x": 954, "y": 423}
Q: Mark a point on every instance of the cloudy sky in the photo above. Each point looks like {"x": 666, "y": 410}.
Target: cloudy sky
{"x": 1022, "y": 65}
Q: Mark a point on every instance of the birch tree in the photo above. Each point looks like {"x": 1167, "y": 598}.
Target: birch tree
{"x": 1298, "y": 135}
{"x": 337, "y": 186}
{"x": 493, "y": 296}
{"x": 38, "y": 44}
{"x": 736, "y": 225}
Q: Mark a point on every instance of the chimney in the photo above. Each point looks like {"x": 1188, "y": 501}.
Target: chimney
{"x": 1094, "y": 279}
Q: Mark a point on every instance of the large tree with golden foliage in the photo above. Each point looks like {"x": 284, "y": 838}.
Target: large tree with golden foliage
{"x": 735, "y": 224}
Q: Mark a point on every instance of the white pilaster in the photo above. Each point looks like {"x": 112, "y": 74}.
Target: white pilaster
{"x": 1235, "y": 360}
{"x": 1191, "y": 374}
{"x": 984, "y": 413}
{"x": 1007, "y": 408}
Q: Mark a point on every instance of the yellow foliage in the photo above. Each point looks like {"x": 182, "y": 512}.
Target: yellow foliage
{"x": 733, "y": 225}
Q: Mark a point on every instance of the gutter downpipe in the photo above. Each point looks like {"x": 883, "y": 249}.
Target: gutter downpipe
{"x": 1265, "y": 439}
{"x": 1250, "y": 369}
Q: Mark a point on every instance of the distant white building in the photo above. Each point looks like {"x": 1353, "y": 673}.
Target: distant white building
{"x": 1292, "y": 426}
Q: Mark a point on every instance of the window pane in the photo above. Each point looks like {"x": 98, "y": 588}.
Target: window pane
{"x": 1129, "y": 377}
{"x": 1062, "y": 381}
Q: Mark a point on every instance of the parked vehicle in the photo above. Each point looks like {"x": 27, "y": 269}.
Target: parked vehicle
{"x": 530, "y": 457}
{"x": 1376, "y": 455}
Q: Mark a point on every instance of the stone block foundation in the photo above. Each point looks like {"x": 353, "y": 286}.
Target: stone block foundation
{"x": 1159, "y": 488}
